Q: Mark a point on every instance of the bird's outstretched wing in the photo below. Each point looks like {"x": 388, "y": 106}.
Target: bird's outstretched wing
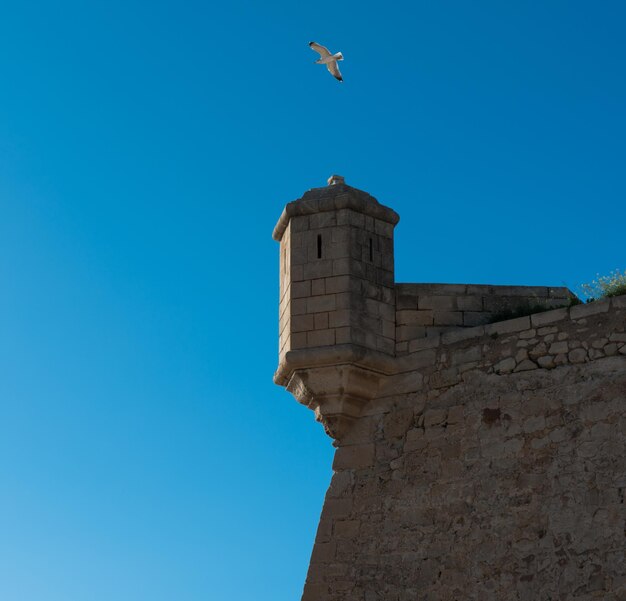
{"x": 324, "y": 52}
{"x": 333, "y": 67}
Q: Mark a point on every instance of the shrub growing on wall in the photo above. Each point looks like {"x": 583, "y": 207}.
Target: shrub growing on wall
{"x": 613, "y": 284}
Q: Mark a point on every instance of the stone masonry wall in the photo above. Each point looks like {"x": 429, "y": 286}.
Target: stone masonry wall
{"x": 284, "y": 304}
{"x": 428, "y": 309}
{"x": 341, "y": 281}
{"x": 492, "y": 466}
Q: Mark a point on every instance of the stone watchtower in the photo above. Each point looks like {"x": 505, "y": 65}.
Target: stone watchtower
{"x": 337, "y": 300}
{"x": 480, "y": 430}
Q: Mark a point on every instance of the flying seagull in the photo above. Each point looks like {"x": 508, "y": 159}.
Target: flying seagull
{"x": 328, "y": 59}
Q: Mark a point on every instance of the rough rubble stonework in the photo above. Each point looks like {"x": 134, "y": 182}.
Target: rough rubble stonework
{"x": 473, "y": 461}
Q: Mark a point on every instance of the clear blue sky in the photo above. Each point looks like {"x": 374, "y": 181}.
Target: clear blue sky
{"x": 146, "y": 152}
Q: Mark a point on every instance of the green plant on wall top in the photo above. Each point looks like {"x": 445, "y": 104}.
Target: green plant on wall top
{"x": 604, "y": 286}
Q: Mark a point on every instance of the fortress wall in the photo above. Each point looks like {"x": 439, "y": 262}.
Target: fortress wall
{"x": 426, "y": 309}
{"x": 491, "y": 467}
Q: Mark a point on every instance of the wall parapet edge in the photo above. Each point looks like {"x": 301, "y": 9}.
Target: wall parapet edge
{"x": 544, "y": 340}
{"x": 519, "y": 324}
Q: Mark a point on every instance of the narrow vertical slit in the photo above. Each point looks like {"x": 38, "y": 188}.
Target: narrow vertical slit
{"x": 319, "y": 246}
{"x": 371, "y": 252}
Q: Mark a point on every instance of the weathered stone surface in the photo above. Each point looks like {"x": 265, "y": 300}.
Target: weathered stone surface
{"x": 505, "y": 366}
{"x": 504, "y": 490}
{"x": 578, "y": 355}
{"x": 472, "y": 463}
{"x": 546, "y": 361}
{"x": 525, "y": 365}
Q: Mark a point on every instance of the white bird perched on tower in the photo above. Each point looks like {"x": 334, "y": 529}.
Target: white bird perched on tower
{"x": 328, "y": 59}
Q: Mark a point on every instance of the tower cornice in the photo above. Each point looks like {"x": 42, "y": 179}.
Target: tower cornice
{"x": 333, "y": 198}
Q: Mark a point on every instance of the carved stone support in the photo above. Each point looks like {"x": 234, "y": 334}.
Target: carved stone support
{"x": 336, "y": 393}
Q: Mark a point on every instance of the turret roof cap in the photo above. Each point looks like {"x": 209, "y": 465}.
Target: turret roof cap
{"x": 337, "y": 195}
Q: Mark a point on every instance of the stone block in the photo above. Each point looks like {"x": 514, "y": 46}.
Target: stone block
{"x": 354, "y": 457}
{"x": 319, "y": 304}
{"x": 342, "y": 336}
{"x": 344, "y": 300}
{"x": 339, "y": 318}
{"x": 560, "y": 292}
{"x": 448, "y": 318}
{"x": 508, "y": 326}
{"x": 541, "y": 319}
{"x": 320, "y": 338}
{"x": 434, "y": 417}
{"x": 386, "y": 311}
{"x": 341, "y": 267}
{"x": 527, "y": 334}
{"x": 318, "y": 287}
{"x": 438, "y": 303}
{"x": 560, "y": 359}
{"x": 346, "y": 528}
{"x": 419, "y": 318}
{"x": 389, "y": 329}
{"x": 302, "y": 323}
{"x": 341, "y": 235}
{"x": 300, "y": 289}
{"x": 474, "y": 318}
{"x": 438, "y": 289}
{"x": 619, "y": 302}
{"x": 473, "y": 353}
{"x": 505, "y": 366}
{"x": 581, "y": 311}
{"x": 297, "y": 273}
{"x": 334, "y": 284}
{"x": 535, "y": 292}
{"x": 402, "y": 348}
{"x": 426, "y": 342}
{"x": 547, "y": 362}
{"x": 423, "y": 358}
{"x": 594, "y": 354}
{"x": 525, "y": 365}
{"x": 396, "y": 423}
{"x": 558, "y": 347}
{"x": 321, "y": 321}
{"x": 409, "y": 333}
{"x": 298, "y": 340}
{"x": 539, "y": 350}
{"x": 322, "y": 220}
{"x": 480, "y": 289}
{"x": 578, "y": 355}
{"x": 444, "y": 378}
{"x": 547, "y": 330}
{"x": 298, "y": 306}
{"x": 385, "y": 345}
{"x": 469, "y": 303}
{"x": 415, "y": 440}
{"x": 457, "y": 335}
{"x": 323, "y": 552}
{"x": 318, "y": 269}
